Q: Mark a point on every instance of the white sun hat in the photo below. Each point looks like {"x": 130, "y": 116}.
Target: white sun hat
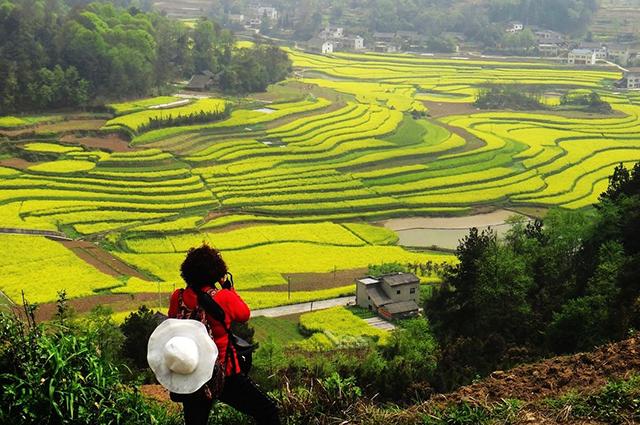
{"x": 182, "y": 355}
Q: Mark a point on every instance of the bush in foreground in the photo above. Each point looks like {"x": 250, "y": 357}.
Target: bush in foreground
{"x": 55, "y": 375}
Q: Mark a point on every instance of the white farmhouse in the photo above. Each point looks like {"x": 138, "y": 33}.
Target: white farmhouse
{"x": 332, "y": 32}
{"x": 599, "y": 49}
{"x": 268, "y": 11}
{"x": 392, "y": 296}
{"x": 327, "y": 47}
{"x": 581, "y": 57}
{"x": 632, "y": 78}
{"x": 619, "y": 53}
{"x": 353, "y": 43}
{"x": 515, "y": 27}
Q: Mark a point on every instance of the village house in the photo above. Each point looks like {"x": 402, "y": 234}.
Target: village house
{"x": 267, "y": 11}
{"x": 385, "y": 42}
{"x": 632, "y": 78}
{"x": 201, "y": 82}
{"x": 340, "y": 42}
{"x": 551, "y": 43}
{"x": 581, "y": 57}
{"x": 318, "y": 45}
{"x": 549, "y": 36}
{"x": 514, "y": 26}
{"x": 618, "y": 53}
{"x": 599, "y": 49}
{"x": 549, "y": 49}
{"x": 237, "y": 18}
{"x": 332, "y": 33}
{"x": 392, "y": 296}
{"x": 355, "y": 43}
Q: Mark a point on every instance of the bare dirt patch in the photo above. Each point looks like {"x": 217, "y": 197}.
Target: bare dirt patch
{"x": 444, "y": 109}
{"x": 558, "y": 375}
{"x": 160, "y": 394}
{"x": 111, "y": 142}
{"x": 316, "y": 281}
{"x": 102, "y": 260}
{"x": 117, "y": 302}
{"x": 18, "y": 163}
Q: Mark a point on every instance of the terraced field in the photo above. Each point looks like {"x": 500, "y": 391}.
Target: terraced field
{"x": 294, "y": 185}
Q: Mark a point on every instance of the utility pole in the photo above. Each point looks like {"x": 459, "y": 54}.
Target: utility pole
{"x": 289, "y": 285}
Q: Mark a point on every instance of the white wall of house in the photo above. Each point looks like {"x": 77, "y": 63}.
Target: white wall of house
{"x": 327, "y": 48}
{"x": 633, "y": 80}
{"x": 581, "y": 57}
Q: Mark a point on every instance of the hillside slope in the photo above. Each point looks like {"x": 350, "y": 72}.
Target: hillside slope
{"x": 567, "y": 389}
{"x": 574, "y": 389}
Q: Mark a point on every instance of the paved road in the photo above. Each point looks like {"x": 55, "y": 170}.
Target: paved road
{"x": 48, "y": 233}
{"x": 303, "y": 307}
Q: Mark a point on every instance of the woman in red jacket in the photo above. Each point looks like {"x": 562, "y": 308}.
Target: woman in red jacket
{"x": 201, "y": 270}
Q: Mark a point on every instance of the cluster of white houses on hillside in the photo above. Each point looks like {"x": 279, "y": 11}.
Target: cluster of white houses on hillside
{"x": 255, "y": 16}
{"x": 588, "y": 53}
{"x": 555, "y": 44}
{"x": 333, "y": 39}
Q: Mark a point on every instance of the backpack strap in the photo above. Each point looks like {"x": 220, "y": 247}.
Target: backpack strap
{"x": 210, "y": 305}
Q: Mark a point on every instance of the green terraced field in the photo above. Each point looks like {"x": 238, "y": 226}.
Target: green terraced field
{"x": 294, "y": 186}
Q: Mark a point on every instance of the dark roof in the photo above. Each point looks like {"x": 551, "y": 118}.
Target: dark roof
{"x": 400, "y": 279}
{"x": 389, "y": 35}
{"x": 581, "y": 51}
{"x": 407, "y": 34}
{"x": 591, "y": 45}
{"x": 402, "y": 307}
{"x": 377, "y": 295}
{"x": 199, "y": 81}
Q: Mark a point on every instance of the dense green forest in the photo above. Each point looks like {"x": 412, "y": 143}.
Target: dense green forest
{"x": 559, "y": 286}
{"x": 57, "y": 54}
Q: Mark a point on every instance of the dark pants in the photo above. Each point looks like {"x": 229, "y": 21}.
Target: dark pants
{"x": 240, "y": 393}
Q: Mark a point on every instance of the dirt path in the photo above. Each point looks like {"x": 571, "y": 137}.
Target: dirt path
{"x": 18, "y": 163}
{"x": 102, "y": 260}
{"x": 111, "y": 142}
{"x": 444, "y": 109}
{"x": 117, "y": 302}
{"x": 286, "y": 310}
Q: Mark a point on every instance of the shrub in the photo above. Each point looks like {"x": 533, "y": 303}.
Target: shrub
{"x": 58, "y": 376}
{"x": 137, "y": 328}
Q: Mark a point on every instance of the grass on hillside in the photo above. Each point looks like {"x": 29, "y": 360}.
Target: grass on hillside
{"x": 281, "y": 330}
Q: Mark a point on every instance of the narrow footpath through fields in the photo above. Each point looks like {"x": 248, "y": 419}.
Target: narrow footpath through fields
{"x": 285, "y": 310}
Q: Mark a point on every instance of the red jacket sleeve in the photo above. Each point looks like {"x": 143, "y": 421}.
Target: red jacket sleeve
{"x": 173, "y": 305}
{"x": 235, "y": 308}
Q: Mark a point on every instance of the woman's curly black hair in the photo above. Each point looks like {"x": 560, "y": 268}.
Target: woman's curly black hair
{"x": 203, "y": 266}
